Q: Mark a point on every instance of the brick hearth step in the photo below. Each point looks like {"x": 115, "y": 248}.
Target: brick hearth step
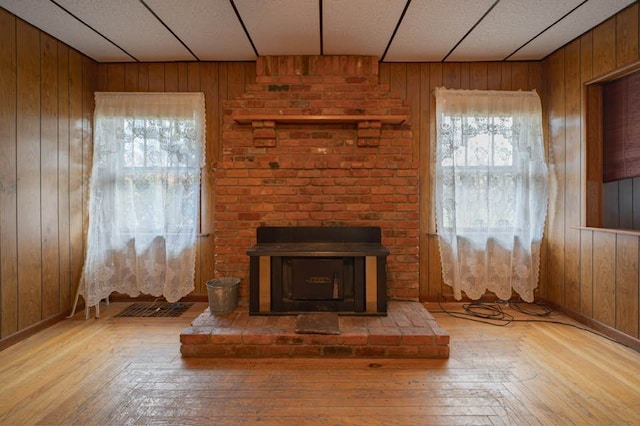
{"x": 408, "y": 331}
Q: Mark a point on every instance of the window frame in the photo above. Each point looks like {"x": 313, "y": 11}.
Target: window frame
{"x": 593, "y": 136}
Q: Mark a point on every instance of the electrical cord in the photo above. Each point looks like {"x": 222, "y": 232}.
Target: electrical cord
{"x": 488, "y": 313}
{"x": 491, "y": 313}
{"x": 539, "y": 309}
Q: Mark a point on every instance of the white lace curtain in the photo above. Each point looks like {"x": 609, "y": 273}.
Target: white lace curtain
{"x": 144, "y": 195}
{"x": 490, "y": 191}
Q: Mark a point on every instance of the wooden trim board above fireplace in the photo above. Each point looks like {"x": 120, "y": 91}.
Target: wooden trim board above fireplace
{"x": 319, "y": 119}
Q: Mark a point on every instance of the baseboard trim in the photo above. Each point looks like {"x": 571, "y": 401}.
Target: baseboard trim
{"x": 31, "y": 330}
{"x": 46, "y": 323}
{"x": 604, "y": 329}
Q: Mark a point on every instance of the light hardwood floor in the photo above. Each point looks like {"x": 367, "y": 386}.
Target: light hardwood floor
{"x": 116, "y": 371}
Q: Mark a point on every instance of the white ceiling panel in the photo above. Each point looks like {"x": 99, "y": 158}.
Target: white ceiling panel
{"x": 224, "y": 30}
{"x": 58, "y": 23}
{"x": 431, "y": 28}
{"x": 508, "y": 26}
{"x": 585, "y": 17}
{"x": 131, "y": 26}
{"x": 363, "y": 26}
{"x": 282, "y": 27}
{"x": 209, "y": 28}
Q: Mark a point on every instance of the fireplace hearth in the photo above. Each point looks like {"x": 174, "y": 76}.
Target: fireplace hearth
{"x": 318, "y": 269}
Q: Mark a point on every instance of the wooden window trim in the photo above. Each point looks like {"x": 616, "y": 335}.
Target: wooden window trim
{"x": 593, "y": 137}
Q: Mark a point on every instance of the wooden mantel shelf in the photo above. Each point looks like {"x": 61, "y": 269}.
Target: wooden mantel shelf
{"x": 319, "y": 119}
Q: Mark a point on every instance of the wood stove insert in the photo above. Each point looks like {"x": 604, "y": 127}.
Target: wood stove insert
{"x": 318, "y": 269}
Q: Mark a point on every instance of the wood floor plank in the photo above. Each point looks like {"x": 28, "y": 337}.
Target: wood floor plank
{"x": 114, "y": 371}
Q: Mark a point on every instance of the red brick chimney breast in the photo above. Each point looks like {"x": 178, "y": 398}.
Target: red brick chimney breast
{"x": 317, "y": 141}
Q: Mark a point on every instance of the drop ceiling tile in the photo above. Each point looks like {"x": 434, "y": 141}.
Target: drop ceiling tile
{"x": 431, "y": 28}
{"x": 508, "y": 26}
{"x": 53, "y": 20}
{"x": 132, "y": 27}
{"x": 210, "y": 28}
{"x": 282, "y": 27}
{"x": 362, "y": 27}
{"x": 577, "y": 23}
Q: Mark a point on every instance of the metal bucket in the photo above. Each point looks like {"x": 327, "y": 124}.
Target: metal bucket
{"x": 223, "y": 295}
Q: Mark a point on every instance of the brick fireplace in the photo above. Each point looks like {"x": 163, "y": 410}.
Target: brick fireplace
{"x": 317, "y": 141}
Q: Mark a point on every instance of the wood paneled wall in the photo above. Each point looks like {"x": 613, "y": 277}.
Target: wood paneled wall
{"x": 593, "y": 273}
{"x": 46, "y": 107}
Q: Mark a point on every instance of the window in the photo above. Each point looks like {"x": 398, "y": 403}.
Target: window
{"x": 159, "y": 164}
{"x": 490, "y": 190}
{"x": 144, "y": 195}
{"x": 484, "y": 142}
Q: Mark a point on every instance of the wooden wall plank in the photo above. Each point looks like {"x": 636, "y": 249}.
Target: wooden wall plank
{"x": 465, "y": 76}
{"x": 63, "y": 178}
{"x": 556, "y": 217}
{"x": 604, "y": 47}
{"x": 76, "y": 253}
{"x": 223, "y": 72}
{"x": 586, "y": 56}
{"x": 130, "y": 77}
{"x": 399, "y": 80}
{"x": 209, "y": 85}
{"x": 28, "y": 182}
{"x": 49, "y": 175}
{"x": 572, "y": 174}
{"x": 143, "y": 77}
{"x": 414, "y": 99}
{"x": 626, "y": 287}
{"x": 519, "y": 76}
{"x": 89, "y": 70}
{"x": 171, "y": 77}
{"x": 103, "y": 77}
{"x": 494, "y": 75}
{"x": 604, "y": 281}
{"x": 8, "y": 176}
{"x": 115, "y": 73}
{"x": 427, "y": 226}
{"x": 193, "y": 85}
{"x": 436, "y": 285}
{"x": 586, "y": 272}
{"x": 479, "y": 77}
{"x": 627, "y": 36}
{"x": 235, "y": 80}
{"x": 452, "y": 75}
{"x": 593, "y": 187}
{"x": 156, "y": 77}
{"x": 193, "y": 77}
{"x": 183, "y": 77}
{"x": 505, "y": 76}
{"x": 536, "y": 79}
{"x": 586, "y": 44}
